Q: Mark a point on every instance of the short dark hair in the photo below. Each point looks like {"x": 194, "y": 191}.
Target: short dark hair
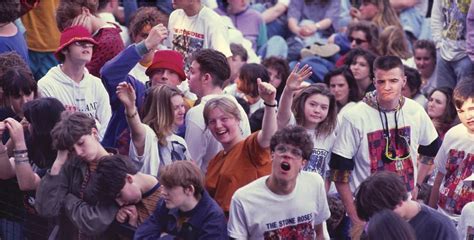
{"x": 145, "y": 16}
{"x": 388, "y": 63}
{"x": 388, "y": 225}
{"x": 70, "y": 9}
{"x": 249, "y": 73}
{"x": 293, "y": 135}
{"x": 413, "y": 79}
{"x": 239, "y": 50}
{"x": 183, "y": 174}
{"x": 383, "y": 190}
{"x": 464, "y": 90}
{"x": 215, "y": 63}
{"x": 70, "y": 129}
{"x": 353, "y": 54}
{"x": 110, "y": 176}
{"x": 425, "y": 44}
{"x": 17, "y": 81}
{"x": 9, "y": 10}
{"x": 351, "y": 82}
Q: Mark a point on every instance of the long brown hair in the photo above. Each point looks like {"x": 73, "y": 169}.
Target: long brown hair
{"x": 158, "y": 111}
{"x": 327, "y": 126}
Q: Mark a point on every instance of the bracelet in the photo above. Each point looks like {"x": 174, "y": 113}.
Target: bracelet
{"x": 133, "y": 115}
{"x": 269, "y": 105}
{"x": 20, "y": 151}
{"x": 20, "y": 155}
{"x": 20, "y": 161}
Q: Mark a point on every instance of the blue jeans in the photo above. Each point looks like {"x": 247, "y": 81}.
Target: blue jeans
{"x": 275, "y": 46}
{"x": 449, "y": 73}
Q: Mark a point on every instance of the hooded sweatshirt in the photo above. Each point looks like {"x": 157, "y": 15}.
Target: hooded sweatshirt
{"x": 88, "y": 96}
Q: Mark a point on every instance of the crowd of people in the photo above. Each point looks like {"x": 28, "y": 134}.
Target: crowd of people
{"x": 237, "y": 119}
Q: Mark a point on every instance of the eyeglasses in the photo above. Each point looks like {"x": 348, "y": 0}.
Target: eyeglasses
{"x": 83, "y": 44}
{"x": 357, "y": 40}
{"x": 296, "y": 152}
{"x": 390, "y": 153}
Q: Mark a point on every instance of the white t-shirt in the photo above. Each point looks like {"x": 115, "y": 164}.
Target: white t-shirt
{"x": 319, "y": 159}
{"x": 189, "y": 34}
{"x": 361, "y": 137}
{"x": 455, "y": 160}
{"x": 466, "y": 222}
{"x": 155, "y": 156}
{"x": 258, "y": 213}
{"x": 202, "y": 144}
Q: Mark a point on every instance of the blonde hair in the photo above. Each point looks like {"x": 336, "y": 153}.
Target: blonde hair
{"x": 392, "y": 42}
{"x": 158, "y": 110}
{"x": 225, "y": 104}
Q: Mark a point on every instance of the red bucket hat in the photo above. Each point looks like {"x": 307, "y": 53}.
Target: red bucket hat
{"x": 73, "y": 34}
{"x": 167, "y": 59}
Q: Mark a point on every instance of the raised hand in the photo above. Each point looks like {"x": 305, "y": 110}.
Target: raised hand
{"x": 266, "y": 91}
{"x": 83, "y": 19}
{"x": 16, "y": 133}
{"x": 126, "y": 94}
{"x": 297, "y": 76}
{"x": 157, "y": 34}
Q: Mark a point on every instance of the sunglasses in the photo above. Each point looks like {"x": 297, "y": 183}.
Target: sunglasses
{"x": 83, "y": 44}
{"x": 357, "y": 40}
{"x": 296, "y": 152}
{"x": 390, "y": 153}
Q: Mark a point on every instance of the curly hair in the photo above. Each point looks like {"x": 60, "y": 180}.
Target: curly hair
{"x": 293, "y": 135}
{"x": 9, "y": 10}
{"x": 145, "y": 16}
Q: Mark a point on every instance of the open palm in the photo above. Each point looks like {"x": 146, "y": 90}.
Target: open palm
{"x": 297, "y": 76}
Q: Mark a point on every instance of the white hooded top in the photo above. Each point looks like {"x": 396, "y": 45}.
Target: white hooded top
{"x": 88, "y": 96}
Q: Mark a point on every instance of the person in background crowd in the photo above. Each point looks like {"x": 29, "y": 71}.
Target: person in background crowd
{"x": 9, "y": 60}
{"x": 412, "y": 87}
{"x": 11, "y": 39}
{"x": 279, "y": 71}
{"x": 42, "y": 36}
{"x": 106, "y": 35}
{"x": 186, "y": 210}
{"x": 343, "y": 86}
{"x": 361, "y": 63}
{"x": 441, "y": 109}
{"x": 424, "y": 52}
{"x": 238, "y": 59}
{"x": 260, "y": 209}
{"x": 393, "y": 42}
{"x": 449, "y": 29}
{"x": 72, "y": 84}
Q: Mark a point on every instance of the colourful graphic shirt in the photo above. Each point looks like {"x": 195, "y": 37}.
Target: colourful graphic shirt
{"x": 455, "y": 159}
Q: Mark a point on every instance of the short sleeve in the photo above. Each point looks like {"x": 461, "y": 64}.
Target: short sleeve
{"x": 149, "y": 162}
{"x": 441, "y": 157}
{"x": 237, "y": 225}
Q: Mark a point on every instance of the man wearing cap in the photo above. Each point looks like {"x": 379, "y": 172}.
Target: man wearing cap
{"x": 166, "y": 68}
{"x": 72, "y": 84}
